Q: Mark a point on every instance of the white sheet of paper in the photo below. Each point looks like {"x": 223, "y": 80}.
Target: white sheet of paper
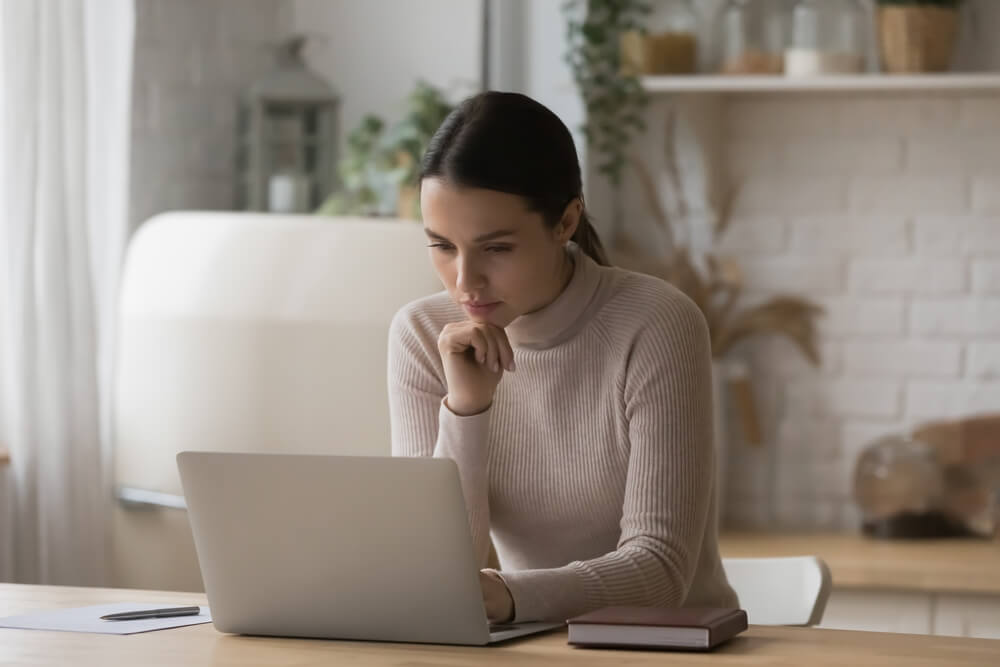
{"x": 88, "y": 619}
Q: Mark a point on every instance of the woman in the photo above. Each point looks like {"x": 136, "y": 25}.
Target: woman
{"x": 574, "y": 397}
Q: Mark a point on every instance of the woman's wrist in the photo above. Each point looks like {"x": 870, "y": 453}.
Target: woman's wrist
{"x": 503, "y": 599}
{"x": 466, "y": 408}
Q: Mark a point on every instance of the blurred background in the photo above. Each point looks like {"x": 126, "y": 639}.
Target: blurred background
{"x": 821, "y": 176}
{"x": 878, "y": 204}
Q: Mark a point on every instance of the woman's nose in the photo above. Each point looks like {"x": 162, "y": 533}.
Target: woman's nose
{"x": 470, "y": 278}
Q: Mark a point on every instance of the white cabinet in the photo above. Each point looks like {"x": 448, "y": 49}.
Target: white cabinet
{"x": 878, "y": 611}
{"x": 954, "y": 614}
{"x": 967, "y": 615}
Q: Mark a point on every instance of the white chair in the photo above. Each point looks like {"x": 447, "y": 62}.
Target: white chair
{"x": 780, "y": 591}
{"x": 248, "y": 332}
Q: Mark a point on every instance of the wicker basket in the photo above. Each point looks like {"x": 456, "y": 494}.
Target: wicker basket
{"x": 917, "y": 39}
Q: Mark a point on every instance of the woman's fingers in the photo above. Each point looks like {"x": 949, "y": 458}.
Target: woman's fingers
{"x": 493, "y": 356}
{"x": 502, "y": 346}
{"x": 478, "y": 340}
{"x": 489, "y": 344}
{"x": 501, "y": 355}
{"x": 506, "y": 351}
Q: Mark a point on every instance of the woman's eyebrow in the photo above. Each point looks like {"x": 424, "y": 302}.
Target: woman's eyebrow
{"x": 479, "y": 239}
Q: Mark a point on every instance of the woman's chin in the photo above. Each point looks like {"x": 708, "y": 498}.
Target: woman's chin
{"x": 500, "y": 318}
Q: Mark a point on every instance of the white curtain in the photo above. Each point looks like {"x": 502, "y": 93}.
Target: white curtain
{"x": 65, "y": 106}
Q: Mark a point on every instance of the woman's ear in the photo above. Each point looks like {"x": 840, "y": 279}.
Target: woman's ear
{"x": 570, "y": 220}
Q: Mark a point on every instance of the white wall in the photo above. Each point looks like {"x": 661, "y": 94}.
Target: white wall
{"x": 883, "y": 209}
{"x": 193, "y": 59}
{"x": 374, "y": 51}
{"x": 548, "y": 78}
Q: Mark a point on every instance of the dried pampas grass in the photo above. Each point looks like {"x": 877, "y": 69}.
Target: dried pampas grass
{"x": 717, "y": 285}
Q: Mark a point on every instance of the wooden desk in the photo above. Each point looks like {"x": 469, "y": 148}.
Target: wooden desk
{"x": 203, "y": 645}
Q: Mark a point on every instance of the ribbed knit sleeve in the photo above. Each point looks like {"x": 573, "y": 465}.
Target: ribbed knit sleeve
{"x": 668, "y": 408}
{"x": 422, "y": 425}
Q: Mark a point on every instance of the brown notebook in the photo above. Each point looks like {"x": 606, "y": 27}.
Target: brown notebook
{"x": 698, "y": 629}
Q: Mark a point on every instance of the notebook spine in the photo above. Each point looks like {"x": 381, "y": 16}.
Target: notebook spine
{"x": 731, "y": 627}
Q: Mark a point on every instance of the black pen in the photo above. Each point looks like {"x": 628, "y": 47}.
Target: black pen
{"x": 152, "y": 613}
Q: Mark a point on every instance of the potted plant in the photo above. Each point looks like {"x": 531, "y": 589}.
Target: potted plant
{"x": 917, "y": 35}
{"x": 381, "y": 166}
{"x": 612, "y": 94}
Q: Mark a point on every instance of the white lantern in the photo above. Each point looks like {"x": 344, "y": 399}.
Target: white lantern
{"x": 288, "y": 138}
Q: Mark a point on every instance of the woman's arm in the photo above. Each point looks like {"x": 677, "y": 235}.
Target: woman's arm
{"x": 668, "y": 405}
{"x": 422, "y": 425}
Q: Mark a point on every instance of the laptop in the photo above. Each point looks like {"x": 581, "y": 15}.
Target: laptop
{"x": 337, "y": 547}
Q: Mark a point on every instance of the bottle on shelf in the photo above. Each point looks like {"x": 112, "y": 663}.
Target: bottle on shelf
{"x": 827, "y": 37}
{"x": 750, "y": 37}
{"x": 669, "y": 43}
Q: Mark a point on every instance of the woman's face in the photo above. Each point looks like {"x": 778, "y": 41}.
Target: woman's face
{"x": 497, "y": 259}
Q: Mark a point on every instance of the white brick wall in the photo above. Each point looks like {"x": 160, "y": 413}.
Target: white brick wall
{"x": 903, "y": 358}
{"x": 984, "y": 361}
{"x": 986, "y": 190}
{"x": 906, "y": 276}
{"x": 882, "y": 236}
{"x": 958, "y": 316}
{"x": 885, "y": 209}
{"x": 192, "y": 61}
{"x": 986, "y": 276}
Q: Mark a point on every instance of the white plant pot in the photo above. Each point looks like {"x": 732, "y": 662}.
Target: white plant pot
{"x": 723, "y": 372}
{"x": 720, "y": 410}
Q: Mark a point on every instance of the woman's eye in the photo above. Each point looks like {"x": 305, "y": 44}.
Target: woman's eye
{"x": 498, "y": 248}
{"x": 441, "y": 246}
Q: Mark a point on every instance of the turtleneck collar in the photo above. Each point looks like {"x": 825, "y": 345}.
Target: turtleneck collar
{"x": 565, "y": 316}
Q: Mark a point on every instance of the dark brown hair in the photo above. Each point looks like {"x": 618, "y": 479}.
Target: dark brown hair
{"x": 510, "y": 143}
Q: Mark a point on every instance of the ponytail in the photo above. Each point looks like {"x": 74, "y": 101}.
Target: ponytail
{"x": 586, "y": 237}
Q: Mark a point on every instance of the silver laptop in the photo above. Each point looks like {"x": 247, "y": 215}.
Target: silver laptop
{"x": 337, "y": 547}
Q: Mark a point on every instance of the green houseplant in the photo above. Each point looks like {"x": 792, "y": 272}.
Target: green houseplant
{"x": 381, "y": 165}
{"x": 614, "y": 98}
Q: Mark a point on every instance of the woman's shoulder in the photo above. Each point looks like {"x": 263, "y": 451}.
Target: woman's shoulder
{"x": 642, "y": 302}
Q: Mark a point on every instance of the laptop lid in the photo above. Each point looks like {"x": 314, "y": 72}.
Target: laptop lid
{"x": 374, "y": 548}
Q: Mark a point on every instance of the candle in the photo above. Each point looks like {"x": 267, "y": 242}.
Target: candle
{"x": 288, "y": 192}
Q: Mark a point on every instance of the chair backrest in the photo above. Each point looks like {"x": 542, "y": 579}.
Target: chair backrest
{"x": 780, "y": 591}
{"x": 248, "y": 332}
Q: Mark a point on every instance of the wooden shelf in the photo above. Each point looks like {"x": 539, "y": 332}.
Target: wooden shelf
{"x": 715, "y": 83}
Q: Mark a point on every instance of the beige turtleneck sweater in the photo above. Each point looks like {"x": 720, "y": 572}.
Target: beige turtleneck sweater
{"x": 593, "y": 470}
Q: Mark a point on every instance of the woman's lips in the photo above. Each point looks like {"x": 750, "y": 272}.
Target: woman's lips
{"x": 480, "y": 309}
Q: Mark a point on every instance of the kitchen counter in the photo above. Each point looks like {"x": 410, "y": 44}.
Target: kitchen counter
{"x": 858, "y": 562}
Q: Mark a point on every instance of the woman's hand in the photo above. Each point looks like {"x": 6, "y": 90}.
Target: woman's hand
{"x": 475, "y": 355}
{"x": 496, "y": 598}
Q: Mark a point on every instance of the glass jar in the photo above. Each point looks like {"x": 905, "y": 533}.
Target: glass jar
{"x": 828, "y": 37}
{"x": 668, "y": 45}
{"x": 751, "y": 36}
{"x": 900, "y": 488}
